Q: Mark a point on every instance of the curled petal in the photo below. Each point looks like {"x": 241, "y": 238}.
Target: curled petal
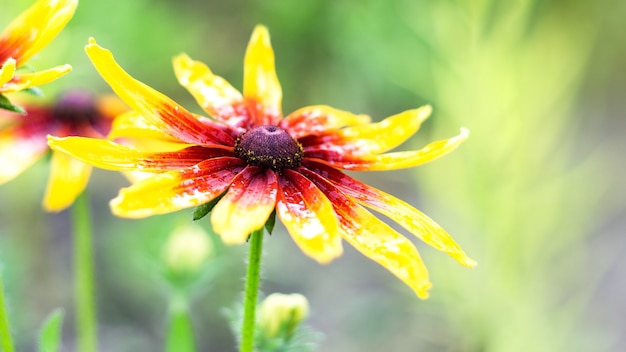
{"x": 113, "y": 156}
{"x": 375, "y": 239}
{"x": 32, "y": 30}
{"x": 20, "y": 147}
{"x": 374, "y": 138}
{"x": 260, "y": 83}
{"x": 413, "y": 220}
{"x": 309, "y": 217}
{"x": 27, "y": 80}
{"x": 68, "y": 179}
{"x": 246, "y": 206}
{"x": 177, "y": 189}
{"x": 216, "y": 96}
{"x": 389, "y": 161}
{"x": 160, "y": 110}
{"x": 313, "y": 120}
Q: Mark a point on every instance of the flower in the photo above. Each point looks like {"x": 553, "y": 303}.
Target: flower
{"x": 25, "y": 37}
{"x": 23, "y": 141}
{"x": 260, "y": 162}
{"x": 282, "y": 313}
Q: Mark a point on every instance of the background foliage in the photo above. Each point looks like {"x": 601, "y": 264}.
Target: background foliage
{"x": 535, "y": 195}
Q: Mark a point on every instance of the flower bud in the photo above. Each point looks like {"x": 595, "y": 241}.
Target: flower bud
{"x": 187, "y": 249}
{"x": 281, "y": 314}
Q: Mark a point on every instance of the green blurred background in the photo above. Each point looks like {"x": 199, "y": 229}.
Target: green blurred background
{"x": 535, "y": 195}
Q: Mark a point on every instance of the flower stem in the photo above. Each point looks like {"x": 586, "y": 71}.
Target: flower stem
{"x": 84, "y": 276}
{"x": 252, "y": 290}
{"x": 6, "y": 341}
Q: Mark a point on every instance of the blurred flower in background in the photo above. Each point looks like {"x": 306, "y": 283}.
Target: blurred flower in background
{"x": 23, "y": 140}
{"x": 25, "y": 36}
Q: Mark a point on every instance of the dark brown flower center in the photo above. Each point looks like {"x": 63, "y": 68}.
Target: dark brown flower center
{"x": 269, "y": 147}
{"x": 76, "y": 108}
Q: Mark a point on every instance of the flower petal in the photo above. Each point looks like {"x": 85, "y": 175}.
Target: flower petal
{"x": 260, "y": 83}
{"x": 133, "y": 125}
{"x": 27, "y": 80}
{"x": 177, "y": 189}
{"x": 313, "y": 120}
{"x": 389, "y": 161}
{"x": 309, "y": 217}
{"x": 374, "y": 138}
{"x": 68, "y": 179}
{"x": 7, "y": 70}
{"x": 113, "y": 156}
{"x": 20, "y": 147}
{"x": 413, "y": 220}
{"x": 32, "y": 30}
{"x": 216, "y": 96}
{"x": 160, "y": 110}
{"x": 375, "y": 239}
{"x": 246, "y": 206}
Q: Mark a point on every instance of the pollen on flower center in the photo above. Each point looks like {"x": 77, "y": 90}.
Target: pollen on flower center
{"x": 76, "y": 108}
{"x": 269, "y": 147}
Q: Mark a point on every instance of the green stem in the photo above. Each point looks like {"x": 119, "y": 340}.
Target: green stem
{"x": 252, "y": 290}
{"x": 84, "y": 276}
{"x": 6, "y": 340}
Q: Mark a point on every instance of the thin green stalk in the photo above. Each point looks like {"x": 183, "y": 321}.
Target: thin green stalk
{"x": 251, "y": 292}
{"x": 84, "y": 276}
{"x": 6, "y": 339}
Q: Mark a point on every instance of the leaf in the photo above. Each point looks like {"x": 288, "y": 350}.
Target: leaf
{"x": 271, "y": 221}
{"x": 6, "y": 104}
{"x": 50, "y": 335}
{"x": 203, "y": 209}
{"x": 35, "y": 91}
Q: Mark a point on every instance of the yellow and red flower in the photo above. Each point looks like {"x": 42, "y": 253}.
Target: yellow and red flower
{"x": 259, "y": 162}
{"x": 23, "y": 141}
{"x": 25, "y": 36}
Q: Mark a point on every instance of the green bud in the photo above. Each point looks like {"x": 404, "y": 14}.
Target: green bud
{"x": 187, "y": 249}
{"x": 281, "y": 314}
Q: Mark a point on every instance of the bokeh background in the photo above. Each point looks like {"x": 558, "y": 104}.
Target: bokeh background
{"x": 535, "y": 195}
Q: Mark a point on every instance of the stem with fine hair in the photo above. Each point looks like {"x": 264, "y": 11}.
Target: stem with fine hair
{"x": 84, "y": 276}
{"x": 251, "y": 291}
{"x": 6, "y": 340}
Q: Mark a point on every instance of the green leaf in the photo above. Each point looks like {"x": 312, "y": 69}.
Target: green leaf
{"x": 179, "y": 332}
{"x": 271, "y": 221}
{"x": 50, "y": 335}
{"x": 6, "y": 104}
{"x": 203, "y": 209}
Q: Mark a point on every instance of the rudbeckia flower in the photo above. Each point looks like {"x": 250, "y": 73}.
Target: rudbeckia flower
{"x": 23, "y": 141}
{"x": 25, "y": 36}
{"x": 254, "y": 161}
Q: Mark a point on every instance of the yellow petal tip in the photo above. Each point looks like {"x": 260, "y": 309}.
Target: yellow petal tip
{"x": 422, "y": 290}
{"x": 424, "y": 112}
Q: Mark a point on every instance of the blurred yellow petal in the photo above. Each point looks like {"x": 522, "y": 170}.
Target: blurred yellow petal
{"x": 260, "y": 83}
{"x": 19, "y": 152}
{"x": 68, "y": 179}
{"x": 375, "y": 239}
{"x": 216, "y": 96}
{"x": 316, "y": 119}
{"x": 309, "y": 217}
{"x": 389, "y": 161}
{"x": 247, "y": 205}
{"x": 32, "y": 30}
{"x": 413, "y": 220}
{"x": 7, "y": 70}
{"x": 385, "y": 135}
{"x": 109, "y": 155}
{"x": 158, "y": 109}
{"x": 178, "y": 189}
{"x": 27, "y": 80}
